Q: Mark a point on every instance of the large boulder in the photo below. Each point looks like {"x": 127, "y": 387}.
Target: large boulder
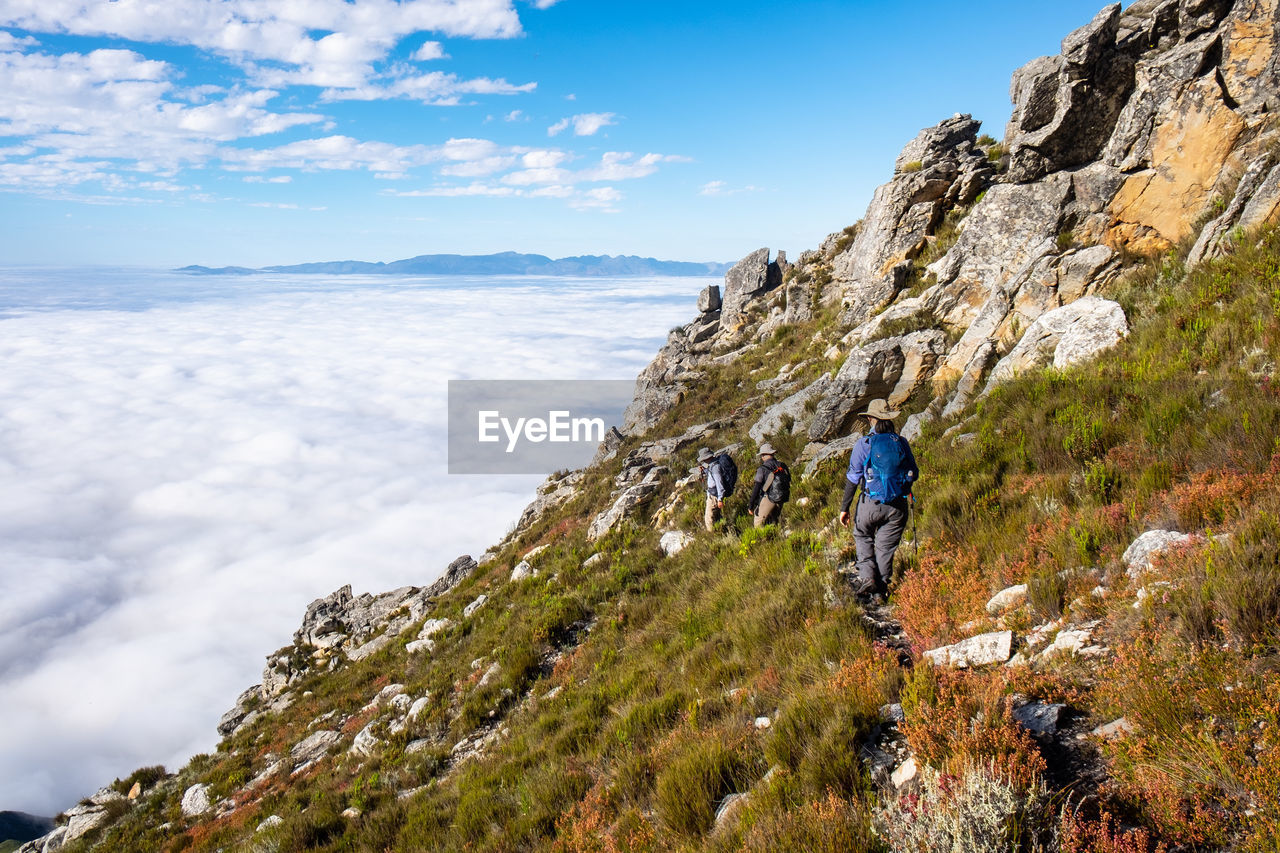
{"x": 789, "y": 413}
{"x": 982, "y": 650}
{"x": 1065, "y": 336}
{"x": 750, "y": 278}
{"x": 627, "y": 503}
{"x": 893, "y": 368}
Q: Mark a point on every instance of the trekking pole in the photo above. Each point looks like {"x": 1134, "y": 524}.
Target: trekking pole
{"x": 915, "y": 533}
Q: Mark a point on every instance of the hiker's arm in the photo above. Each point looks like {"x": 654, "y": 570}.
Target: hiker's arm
{"x": 913, "y": 471}
{"x": 850, "y": 490}
{"x": 757, "y": 488}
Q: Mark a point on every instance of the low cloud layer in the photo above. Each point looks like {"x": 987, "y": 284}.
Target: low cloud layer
{"x": 185, "y": 464}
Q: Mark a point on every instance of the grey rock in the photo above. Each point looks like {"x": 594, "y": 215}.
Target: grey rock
{"x": 1007, "y": 599}
{"x": 609, "y": 446}
{"x": 1066, "y": 107}
{"x": 709, "y": 299}
{"x": 557, "y": 490}
{"x": 470, "y": 609}
{"x": 627, "y": 503}
{"x": 195, "y": 801}
{"x": 906, "y": 212}
{"x": 1013, "y": 226}
{"x": 893, "y": 368}
{"x": 674, "y": 541}
{"x": 1138, "y": 556}
{"x": 892, "y": 713}
{"x": 730, "y": 807}
{"x": 268, "y": 822}
{"x": 793, "y": 408}
{"x": 365, "y": 743}
{"x": 313, "y": 748}
{"x": 982, "y": 650}
{"x": 1254, "y": 202}
{"x": 1040, "y": 718}
{"x": 819, "y": 454}
{"x": 1065, "y": 336}
{"x": 1113, "y": 730}
{"x": 750, "y": 278}
{"x": 522, "y": 571}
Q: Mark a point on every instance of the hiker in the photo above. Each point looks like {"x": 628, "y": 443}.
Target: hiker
{"x": 721, "y": 475}
{"x": 884, "y": 466}
{"x": 770, "y": 489}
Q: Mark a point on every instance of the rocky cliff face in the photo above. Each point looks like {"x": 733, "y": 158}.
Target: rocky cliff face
{"x": 1154, "y": 126}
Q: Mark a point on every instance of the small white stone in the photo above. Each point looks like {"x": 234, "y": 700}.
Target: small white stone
{"x": 904, "y": 774}
{"x": 474, "y": 606}
{"x": 763, "y": 722}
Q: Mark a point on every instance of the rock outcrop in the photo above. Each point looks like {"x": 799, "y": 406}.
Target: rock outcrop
{"x": 339, "y": 623}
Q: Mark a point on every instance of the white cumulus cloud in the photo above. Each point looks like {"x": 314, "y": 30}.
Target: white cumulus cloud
{"x": 187, "y": 463}
{"x": 584, "y": 124}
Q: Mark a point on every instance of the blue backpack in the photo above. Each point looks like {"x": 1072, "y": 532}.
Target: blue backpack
{"x": 886, "y": 478}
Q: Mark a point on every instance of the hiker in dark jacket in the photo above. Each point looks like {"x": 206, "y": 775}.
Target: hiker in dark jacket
{"x": 883, "y": 465}
{"x": 770, "y": 489}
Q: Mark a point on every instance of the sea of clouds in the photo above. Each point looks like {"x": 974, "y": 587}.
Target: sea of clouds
{"x": 185, "y": 463}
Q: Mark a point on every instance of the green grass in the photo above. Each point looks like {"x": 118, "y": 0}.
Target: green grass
{"x": 663, "y": 665}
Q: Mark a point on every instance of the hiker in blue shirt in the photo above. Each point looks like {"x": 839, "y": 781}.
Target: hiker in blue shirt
{"x": 884, "y": 466}
{"x": 715, "y": 471}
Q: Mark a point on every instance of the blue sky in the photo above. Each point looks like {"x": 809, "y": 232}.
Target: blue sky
{"x": 167, "y": 132}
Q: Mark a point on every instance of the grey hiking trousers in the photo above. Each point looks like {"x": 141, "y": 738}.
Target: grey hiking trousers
{"x": 877, "y": 530}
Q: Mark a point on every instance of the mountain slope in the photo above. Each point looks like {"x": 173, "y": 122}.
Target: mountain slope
{"x": 1080, "y": 654}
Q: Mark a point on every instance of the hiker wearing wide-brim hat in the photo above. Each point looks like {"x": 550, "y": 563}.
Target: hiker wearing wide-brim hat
{"x": 770, "y": 489}
{"x": 884, "y": 467}
{"x": 720, "y": 474}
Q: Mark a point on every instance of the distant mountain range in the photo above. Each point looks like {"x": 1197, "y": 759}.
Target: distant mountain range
{"x": 503, "y": 263}
{"x": 19, "y": 826}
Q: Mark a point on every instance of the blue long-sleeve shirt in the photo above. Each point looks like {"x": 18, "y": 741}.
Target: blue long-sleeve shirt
{"x": 715, "y": 483}
{"x": 858, "y": 468}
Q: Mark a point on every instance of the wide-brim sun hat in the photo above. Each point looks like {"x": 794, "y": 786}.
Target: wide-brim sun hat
{"x": 766, "y": 449}
{"x": 704, "y": 454}
{"x": 879, "y": 409}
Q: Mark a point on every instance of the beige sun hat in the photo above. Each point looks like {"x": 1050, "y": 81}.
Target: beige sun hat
{"x": 766, "y": 449}
{"x": 704, "y": 454}
{"x": 879, "y": 409}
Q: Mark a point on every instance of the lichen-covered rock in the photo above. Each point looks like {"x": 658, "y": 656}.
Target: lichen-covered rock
{"x": 312, "y": 748}
{"x": 195, "y": 801}
{"x": 982, "y": 650}
{"x": 749, "y": 279}
{"x": 1007, "y": 599}
{"x": 893, "y": 368}
{"x": 789, "y": 413}
{"x": 1138, "y": 556}
{"x": 674, "y": 541}
{"x": 627, "y": 503}
{"x": 1065, "y": 336}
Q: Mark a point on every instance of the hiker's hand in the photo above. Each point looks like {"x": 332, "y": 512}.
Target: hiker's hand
{"x": 844, "y": 519}
{"x": 720, "y": 504}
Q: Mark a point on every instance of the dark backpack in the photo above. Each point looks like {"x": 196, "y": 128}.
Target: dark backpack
{"x": 778, "y": 485}
{"x": 728, "y": 472}
{"x": 887, "y": 462}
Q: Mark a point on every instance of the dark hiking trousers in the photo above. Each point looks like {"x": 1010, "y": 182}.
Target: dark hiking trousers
{"x": 877, "y": 530}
